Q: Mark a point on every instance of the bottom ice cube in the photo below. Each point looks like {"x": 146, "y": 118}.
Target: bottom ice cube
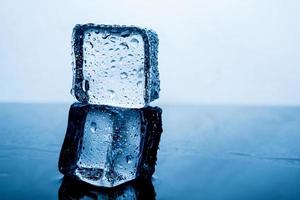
{"x": 107, "y": 146}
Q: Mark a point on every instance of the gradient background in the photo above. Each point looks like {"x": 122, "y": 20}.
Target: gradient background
{"x": 211, "y": 51}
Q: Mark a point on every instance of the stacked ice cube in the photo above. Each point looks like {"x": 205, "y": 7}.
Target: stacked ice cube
{"x": 115, "y": 65}
{"x": 106, "y": 145}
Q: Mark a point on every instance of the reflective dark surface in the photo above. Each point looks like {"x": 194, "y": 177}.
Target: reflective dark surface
{"x": 206, "y": 152}
{"x": 137, "y": 190}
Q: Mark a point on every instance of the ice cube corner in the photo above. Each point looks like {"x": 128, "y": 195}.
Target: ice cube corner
{"x": 115, "y": 65}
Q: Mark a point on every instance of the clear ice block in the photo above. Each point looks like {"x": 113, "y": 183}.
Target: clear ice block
{"x": 107, "y": 146}
{"x": 115, "y": 65}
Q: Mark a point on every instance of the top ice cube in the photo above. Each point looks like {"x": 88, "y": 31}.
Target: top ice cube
{"x": 115, "y": 65}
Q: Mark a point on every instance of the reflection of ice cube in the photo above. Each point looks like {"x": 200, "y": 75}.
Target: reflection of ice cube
{"x": 136, "y": 190}
{"x": 115, "y": 65}
{"x": 107, "y": 146}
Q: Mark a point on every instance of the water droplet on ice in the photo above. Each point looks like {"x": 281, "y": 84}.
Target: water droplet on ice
{"x": 113, "y": 67}
{"x": 134, "y": 42}
{"x": 112, "y": 94}
{"x": 105, "y": 35}
{"x": 85, "y": 85}
{"x": 129, "y": 159}
{"x": 134, "y": 71}
{"x": 125, "y": 33}
{"x": 124, "y": 75}
{"x": 141, "y": 72}
{"x": 113, "y": 39}
{"x": 91, "y": 45}
{"x": 139, "y": 84}
{"x": 124, "y": 45}
{"x": 93, "y": 127}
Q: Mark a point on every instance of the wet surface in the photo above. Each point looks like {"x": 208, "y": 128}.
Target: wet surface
{"x": 206, "y": 152}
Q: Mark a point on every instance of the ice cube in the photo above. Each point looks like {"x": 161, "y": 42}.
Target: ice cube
{"x": 115, "y": 65}
{"x": 135, "y": 190}
{"x": 107, "y": 146}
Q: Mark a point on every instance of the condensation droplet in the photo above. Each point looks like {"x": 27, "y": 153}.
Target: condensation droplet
{"x": 105, "y": 35}
{"x": 85, "y": 85}
{"x": 125, "y": 33}
{"x": 134, "y": 71}
{"x": 93, "y": 127}
{"x": 124, "y": 75}
{"x": 124, "y": 45}
{"x": 112, "y": 94}
{"x": 113, "y": 39}
{"x": 139, "y": 84}
{"x": 129, "y": 159}
{"x": 91, "y": 45}
{"x": 113, "y": 67}
{"x": 72, "y": 91}
{"x": 134, "y": 42}
{"x": 141, "y": 70}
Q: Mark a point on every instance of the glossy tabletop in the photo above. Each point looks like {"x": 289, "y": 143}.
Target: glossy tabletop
{"x": 206, "y": 152}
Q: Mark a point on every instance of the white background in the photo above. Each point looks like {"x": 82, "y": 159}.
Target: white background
{"x": 211, "y": 51}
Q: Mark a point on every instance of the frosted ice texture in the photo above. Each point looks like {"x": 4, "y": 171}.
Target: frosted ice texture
{"x": 107, "y": 146}
{"x": 115, "y": 65}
